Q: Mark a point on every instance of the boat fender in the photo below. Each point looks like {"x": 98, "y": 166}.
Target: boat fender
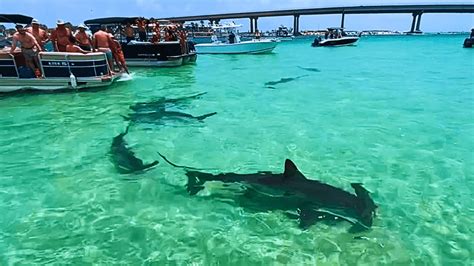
{"x": 73, "y": 81}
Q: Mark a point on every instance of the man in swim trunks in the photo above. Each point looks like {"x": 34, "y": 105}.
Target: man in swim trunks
{"x": 40, "y": 35}
{"x": 83, "y": 39}
{"x": 118, "y": 55}
{"x": 104, "y": 43}
{"x": 60, "y": 36}
{"x": 28, "y": 42}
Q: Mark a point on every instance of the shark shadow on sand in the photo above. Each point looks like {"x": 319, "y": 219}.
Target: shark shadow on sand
{"x": 124, "y": 159}
{"x": 291, "y": 190}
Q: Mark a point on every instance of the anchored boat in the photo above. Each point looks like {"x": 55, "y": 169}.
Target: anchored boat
{"x": 469, "y": 42}
{"x": 145, "y": 53}
{"x": 335, "y": 37}
{"x": 234, "y": 45}
{"x": 60, "y": 71}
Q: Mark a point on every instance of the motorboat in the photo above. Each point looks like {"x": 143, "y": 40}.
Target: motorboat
{"x": 284, "y": 34}
{"x": 469, "y": 42}
{"x": 234, "y": 45}
{"x": 59, "y": 71}
{"x": 335, "y": 37}
{"x": 145, "y": 53}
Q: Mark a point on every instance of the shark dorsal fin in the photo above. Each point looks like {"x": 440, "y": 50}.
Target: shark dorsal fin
{"x": 291, "y": 171}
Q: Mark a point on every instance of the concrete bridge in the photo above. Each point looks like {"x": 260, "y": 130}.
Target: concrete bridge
{"x": 415, "y": 10}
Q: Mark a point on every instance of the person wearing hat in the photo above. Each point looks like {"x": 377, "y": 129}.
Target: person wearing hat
{"x": 40, "y": 35}
{"x": 84, "y": 40}
{"x": 60, "y": 36}
{"x": 28, "y": 43}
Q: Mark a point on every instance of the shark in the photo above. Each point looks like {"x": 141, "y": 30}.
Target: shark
{"x": 124, "y": 159}
{"x": 271, "y": 84}
{"x": 157, "y": 117}
{"x": 313, "y": 199}
{"x": 161, "y": 103}
{"x": 311, "y": 69}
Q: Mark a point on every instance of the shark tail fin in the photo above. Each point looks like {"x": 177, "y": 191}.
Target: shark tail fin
{"x": 126, "y": 130}
{"x": 177, "y": 166}
{"x": 194, "y": 185}
{"x": 126, "y": 118}
{"x": 368, "y": 205}
{"x": 202, "y": 117}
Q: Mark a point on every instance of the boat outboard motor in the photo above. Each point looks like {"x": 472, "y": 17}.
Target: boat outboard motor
{"x": 468, "y": 42}
{"x": 316, "y": 42}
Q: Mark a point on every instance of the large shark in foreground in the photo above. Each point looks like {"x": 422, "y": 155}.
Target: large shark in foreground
{"x": 314, "y": 199}
{"x": 124, "y": 159}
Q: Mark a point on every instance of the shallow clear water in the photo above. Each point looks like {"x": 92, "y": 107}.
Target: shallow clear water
{"x": 395, "y": 113}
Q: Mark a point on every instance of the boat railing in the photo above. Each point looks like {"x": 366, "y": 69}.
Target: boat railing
{"x": 62, "y": 65}
{"x": 8, "y": 66}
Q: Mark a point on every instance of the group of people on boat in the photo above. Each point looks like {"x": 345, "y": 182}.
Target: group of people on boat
{"x": 143, "y": 27}
{"x": 34, "y": 39}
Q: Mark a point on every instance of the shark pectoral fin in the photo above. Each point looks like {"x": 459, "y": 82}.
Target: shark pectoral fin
{"x": 291, "y": 171}
{"x": 202, "y": 117}
{"x": 358, "y": 228}
{"x": 194, "y": 185}
{"x": 150, "y": 165}
{"x": 308, "y": 217}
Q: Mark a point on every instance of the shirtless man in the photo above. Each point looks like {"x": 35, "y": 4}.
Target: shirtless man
{"x": 28, "y": 42}
{"x": 40, "y": 35}
{"x": 129, "y": 33}
{"x": 118, "y": 55}
{"x": 141, "y": 29}
{"x": 104, "y": 43}
{"x": 60, "y": 37}
{"x": 84, "y": 40}
{"x": 73, "y": 48}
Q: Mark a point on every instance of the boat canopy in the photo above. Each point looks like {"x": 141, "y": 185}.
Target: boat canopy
{"x": 111, "y": 20}
{"x": 15, "y": 18}
{"x": 335, "y": 28}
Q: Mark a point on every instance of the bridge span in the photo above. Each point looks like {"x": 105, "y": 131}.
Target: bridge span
{"x": 415, "y": 10}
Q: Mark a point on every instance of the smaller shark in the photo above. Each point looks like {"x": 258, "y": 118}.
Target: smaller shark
{"x": 124, "y": 159}
{"x": 270, "y": 84}
{"x": 314, "y": 199}
{"x": 311, "y": 69}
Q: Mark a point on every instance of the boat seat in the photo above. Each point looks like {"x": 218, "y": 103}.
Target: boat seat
{"x": 7, "y": 66}
{"x": 60, "y": 65}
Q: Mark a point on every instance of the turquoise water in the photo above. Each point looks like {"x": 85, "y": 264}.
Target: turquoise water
{"x": 395, "y": 113}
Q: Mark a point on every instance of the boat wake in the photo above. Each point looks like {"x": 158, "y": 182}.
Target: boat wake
{"x": 125, "y": 77}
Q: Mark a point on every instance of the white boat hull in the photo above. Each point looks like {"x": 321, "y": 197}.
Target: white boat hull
{"x": 61, "y": 71}
{"x": 246, "y": 47}
{"x": 52, "y": 84}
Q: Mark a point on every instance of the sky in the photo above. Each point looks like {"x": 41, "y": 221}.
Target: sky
{"x": 74, "y": 11}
